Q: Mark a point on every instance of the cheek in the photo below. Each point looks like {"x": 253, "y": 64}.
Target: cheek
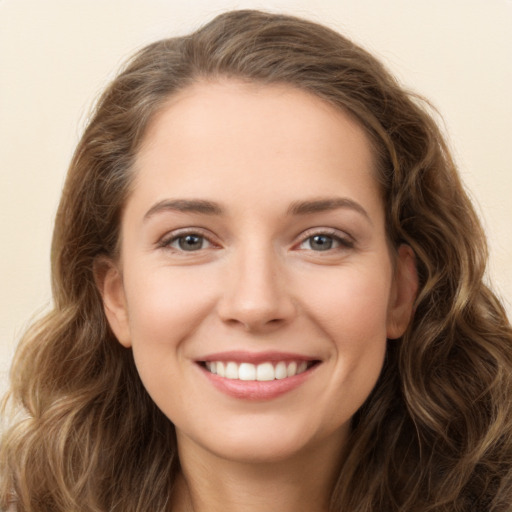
{"x": 351, "y": 309}
{"x": 351, "y": 304}
{"x": 165, "y": 305}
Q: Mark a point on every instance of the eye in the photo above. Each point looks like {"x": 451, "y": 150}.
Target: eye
{"x": 324, "y": 242}
{"x": 188, "y": 242}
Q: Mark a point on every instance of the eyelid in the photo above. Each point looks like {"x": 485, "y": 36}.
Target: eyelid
{"x": 345, "y": 239}
{"x": 165, "y": 241}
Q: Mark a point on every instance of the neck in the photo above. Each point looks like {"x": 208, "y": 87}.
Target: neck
{"x": 302, "y": 483}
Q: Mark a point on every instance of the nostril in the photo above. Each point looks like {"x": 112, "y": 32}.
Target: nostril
{"x": 255, "y": 324}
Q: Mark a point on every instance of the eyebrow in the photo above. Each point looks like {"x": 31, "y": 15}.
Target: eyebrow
{"x": 205, "y": 207}
{"x": 326, "y": 204}
{"x": 185, "y": 205}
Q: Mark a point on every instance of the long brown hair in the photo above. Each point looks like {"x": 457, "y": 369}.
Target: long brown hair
{"x": 436, "y": 432}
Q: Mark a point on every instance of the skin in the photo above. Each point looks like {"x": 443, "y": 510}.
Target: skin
{"x": 257, "y": 282}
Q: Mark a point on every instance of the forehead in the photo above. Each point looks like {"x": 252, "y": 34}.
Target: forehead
{"x": 236, "y": 101}
{"x": 253, "y": 139}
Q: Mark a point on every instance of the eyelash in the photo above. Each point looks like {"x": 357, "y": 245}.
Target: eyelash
{"x": 167, "y": 242}
{"x": 341, "y": 242}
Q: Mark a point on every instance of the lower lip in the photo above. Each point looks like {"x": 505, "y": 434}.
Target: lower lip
{"x": 257, "y": 390}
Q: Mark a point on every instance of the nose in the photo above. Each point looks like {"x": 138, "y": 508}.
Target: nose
{"x": 256, "y": 296}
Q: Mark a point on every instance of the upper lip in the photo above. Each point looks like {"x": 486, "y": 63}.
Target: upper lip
{"x": 239, "y": 356}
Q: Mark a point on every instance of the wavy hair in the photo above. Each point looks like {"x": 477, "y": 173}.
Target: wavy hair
{"x": 436, "y": 432}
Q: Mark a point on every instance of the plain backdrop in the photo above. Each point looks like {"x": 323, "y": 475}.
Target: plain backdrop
{"x": 57, "y": 55}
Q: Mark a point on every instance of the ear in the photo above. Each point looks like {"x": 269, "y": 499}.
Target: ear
{"x": 109, "y": 281}
{"x": 404, "y": 290}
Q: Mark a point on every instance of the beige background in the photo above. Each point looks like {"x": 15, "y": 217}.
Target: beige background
{"x": 56, "y": 56}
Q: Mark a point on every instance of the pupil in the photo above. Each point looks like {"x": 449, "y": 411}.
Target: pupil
{"x": 190, "y": 242}
{"x": 321, "y": 243}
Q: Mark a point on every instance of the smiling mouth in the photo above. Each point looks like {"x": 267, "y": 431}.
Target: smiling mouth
{"x": 263, "y": 372}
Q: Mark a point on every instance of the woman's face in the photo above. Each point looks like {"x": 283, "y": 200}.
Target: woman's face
{"x": 255, "y": 284}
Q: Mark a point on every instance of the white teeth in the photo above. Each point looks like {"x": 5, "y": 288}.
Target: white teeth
{"x": 231, "y": 371}
{"x": 247, "y": 371}
{"x": 291, "y": 369}
{"x": 261, "y": 372}
{"x": 265, "y": 371}
{"x": 281, "y": 371}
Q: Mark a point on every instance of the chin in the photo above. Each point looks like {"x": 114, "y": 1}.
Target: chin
{"x": 265, "y": 443}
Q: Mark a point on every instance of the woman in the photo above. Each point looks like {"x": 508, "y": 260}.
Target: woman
{"x": 268, "y": 296}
